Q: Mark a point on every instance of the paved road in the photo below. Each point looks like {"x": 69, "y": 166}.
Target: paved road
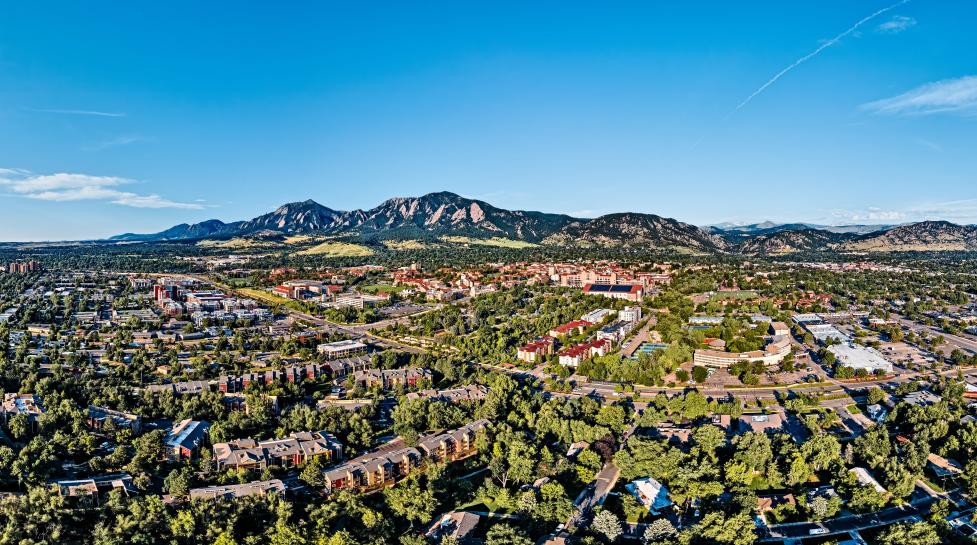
{"x": 355, "y": 332}
{"x": 597, "y": 491}
{"x": 958, "y": 341}
{"x": 641, "y": 336}
{"x": 778, "y": 532}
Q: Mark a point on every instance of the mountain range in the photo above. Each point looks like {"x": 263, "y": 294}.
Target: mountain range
{"x": 442, "y": 214}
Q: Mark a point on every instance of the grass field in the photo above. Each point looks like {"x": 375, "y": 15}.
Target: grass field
{"x": 380, "y": 288}
{"x": 740, "y": 295}
{"x": 297, "y": 239}
{"x": 271, "y": 298}
{"x": 262, "y": 295}
{"x": 404, "y": 244}
{"x": 338, "y": 249}
{"x": 233, "y": 244}
{"x": 497, "y": 242}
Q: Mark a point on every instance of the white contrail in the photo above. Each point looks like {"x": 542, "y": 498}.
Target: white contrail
{"x": 76, "y": 112}
{"x": 807, "y": 57}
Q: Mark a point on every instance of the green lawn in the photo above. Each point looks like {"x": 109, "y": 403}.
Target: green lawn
{"x": 380, "y": 288}
{"x": 741, "y": 295}
{"x": 498, "y": 242}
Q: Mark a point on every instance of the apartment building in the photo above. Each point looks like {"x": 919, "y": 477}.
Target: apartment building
{"x": 185, "y": 439}
{"x": 573, "y": 356}
{"x": 373, "y": 471}
{"x": 290, "y": 451}
{"x": 575, "y": 327}
{"x": 99, "y": 417}
{"x": 536, "y": 350}
{"x": 472, "y": 392}
{"x": 389, "y": 379}
{"x": 377, "y": 470}
{"x": 232, "y": 491}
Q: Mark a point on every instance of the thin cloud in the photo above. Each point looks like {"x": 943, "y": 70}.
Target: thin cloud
{"x": 868, "y": 215}
{"x": 963, "y": 211}
{"x": 929, "y": 144}
{"x": 898, "y": 23}
{"x": 947, "y": 96}
{"x": 97, "y": 113}
{"x": 68, "y": 187}
{"x": 114, "y": 143}
{"x": 826, "y": 44}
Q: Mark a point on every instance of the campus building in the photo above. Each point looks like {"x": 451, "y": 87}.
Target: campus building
{"x": 771, "y": 355}
{"x": 341, "y": 349}
{"x": 628, "y": 292}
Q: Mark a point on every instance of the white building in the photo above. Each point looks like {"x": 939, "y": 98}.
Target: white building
{"x": 823, "y": 332}
{"x": 866, "y": 479}
{"x": 629, "y": 314}
{"x": 597, "y": 316}
{"x": 341, "y": 349}
{"x": 772, "y": 354}
{"x": 650, "y": 493}
{"x": 857, "y": 357}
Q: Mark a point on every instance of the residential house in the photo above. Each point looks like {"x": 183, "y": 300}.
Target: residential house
{"x": 876, "y": 412}
{"x": 650, "y": 493}
{"x": 28, "y": 405}
{"x": 767, "y": 423}
{"x": 456, "y": 525}
{"x": 866, "y": 479}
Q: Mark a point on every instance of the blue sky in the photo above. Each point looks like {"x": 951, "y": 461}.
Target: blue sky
{"x": 136, "y": 116}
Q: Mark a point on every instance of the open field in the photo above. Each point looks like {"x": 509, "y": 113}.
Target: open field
{"x": 338, "y": 249}
{"x": 497, "y": 242}
{"x": 740, "y": 295}
{"x": 380, "y": 288}
{"x": 261, "y": 295}
{"x": 404, "y": 244}
{"x": 234, "y": 244}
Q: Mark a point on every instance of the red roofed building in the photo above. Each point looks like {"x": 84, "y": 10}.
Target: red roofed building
{"x": 283, "y": 291}
{"x": 575, "y": 355}
{"x": 570, "y": 328}
{"x": 628, "y": 292}
{"x": 535, "y": 350}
